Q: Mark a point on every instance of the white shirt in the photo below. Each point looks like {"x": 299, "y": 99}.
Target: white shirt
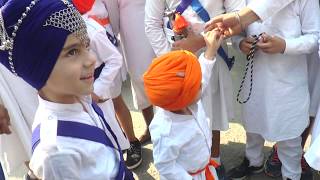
{"x": 279, "y": 103}
{"x": 182, "y": 143}
{"x": 313, "y": 154}
{"x": 267, "y": 8}
{"x": 70, "y": 158}
{"x": 106, "y": 53}
{"x": 156, "y": 24}
{"x": 21, "y": 101}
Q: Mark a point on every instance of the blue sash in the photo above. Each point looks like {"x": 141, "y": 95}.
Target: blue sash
{"x": 90, "y": 133}
{"x": 204, "y": 15}
{"x": 2, "y": 177}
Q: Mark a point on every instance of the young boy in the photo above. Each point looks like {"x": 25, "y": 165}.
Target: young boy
{"x": 218, "y": 101}
{"x": 278, "y": 109}
{"x": 46, "y": 44}
{"x": 180, "y": 130}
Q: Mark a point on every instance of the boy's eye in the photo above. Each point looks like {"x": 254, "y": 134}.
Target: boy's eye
{"x": 73, "y": 52}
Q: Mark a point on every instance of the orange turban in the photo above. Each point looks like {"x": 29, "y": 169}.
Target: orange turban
{"x": 173, "y": 80}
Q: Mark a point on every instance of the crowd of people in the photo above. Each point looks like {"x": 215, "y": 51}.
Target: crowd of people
{"x": 63, "y": 63}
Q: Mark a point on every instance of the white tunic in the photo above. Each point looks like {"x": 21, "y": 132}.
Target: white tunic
{"x": 279, "y": 104}
{"x": 21, "y": 101}
{"x": 69, "y": 158}
{"x": 218, "y": 101}
{"x": 267, "y": 8}
{"x": 106, "y": 85}
{"x": 313, "y": 154}
{"x": 182, "y": 143}
{"x": 127, "y": 18}
{"x": 313, "y": 62}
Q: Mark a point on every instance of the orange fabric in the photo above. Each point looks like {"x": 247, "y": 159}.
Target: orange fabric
{"x": 101, "y": 21}
{"x": 208, "y": 174}
{"x": 180, "y": 23}
{"x": 164, "y": 85}
{"x": 83, "y": 6}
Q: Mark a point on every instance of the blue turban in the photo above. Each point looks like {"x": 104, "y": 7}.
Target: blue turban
{"x": 36, "y": 47}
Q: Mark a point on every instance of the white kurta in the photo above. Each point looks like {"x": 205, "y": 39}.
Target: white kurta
{"x": 106, "y": 85}
{"x": 20, "y": 99}
{"x": 267, "y": 8}
{"x": 313, "y": 154}
{"x": 182, "y": 143}
{"x": 58, "y": 157}
{"x": 279, "y": 104}
{"x": 218, "y": 101}
{"x": 108, "y": 11}
{"x": 138, "y": 54}
{"x": 313, "y": 62}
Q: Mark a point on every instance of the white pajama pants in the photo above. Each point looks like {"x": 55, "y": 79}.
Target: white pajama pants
{"x": 289, "y": 152}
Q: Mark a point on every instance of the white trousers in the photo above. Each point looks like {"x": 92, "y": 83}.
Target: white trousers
{"x": 289, "y": 152}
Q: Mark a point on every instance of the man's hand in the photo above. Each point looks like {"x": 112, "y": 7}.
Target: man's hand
{"x": 4, "y": 121}
{"x": 272, "y": 44}
{"x": 193, "y": 43}
{"x": 245, "y": 45}
{"x": 228, "y": 23}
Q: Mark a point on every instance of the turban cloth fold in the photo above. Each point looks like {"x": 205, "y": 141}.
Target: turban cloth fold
{"x": 36, "y": 47}
{"x": 83, "y": 6}
{"x": 173, "y": 80}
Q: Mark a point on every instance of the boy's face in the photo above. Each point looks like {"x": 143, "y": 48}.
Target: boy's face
{"x": 73, "y": 72}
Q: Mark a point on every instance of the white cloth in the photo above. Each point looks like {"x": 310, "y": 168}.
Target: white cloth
{"x": 312, "y": 156}
{"x": 279, "y": 103}
{"x": 58, "y": 157}
{"x": 138, "y": 54}
{"x": 108, "y": 11}
{"x": 267, "y": 8}
{"x": 218, "y": 101}
{"x": 108, "y": 84}
{"x": 289, "y": 151}
{"x": 182, "y": 143}
{"x": 313, "y": 62}
{"x": 20, "y": 99}
{"x": 137, "y": 49}
{"x": 106, "y": 53}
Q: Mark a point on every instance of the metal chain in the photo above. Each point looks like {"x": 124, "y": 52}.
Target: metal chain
{"x": 249, "y": 65}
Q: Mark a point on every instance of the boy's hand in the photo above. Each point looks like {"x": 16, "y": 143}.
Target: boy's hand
{"x": 4, "y": 121}
{"x": 245, "y": 45}
{"x": 192, "y": 43}
{"x": 213, "y": 41}
{"x": 272, "y": 44}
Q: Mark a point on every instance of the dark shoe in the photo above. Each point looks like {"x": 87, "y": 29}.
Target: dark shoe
{"x": 307, "y": 173}
{"x": 221, "y": 172}
{"x": 272, "y": 166}
{"x": 134, "y": 155}
{"x": 244, "y": 170}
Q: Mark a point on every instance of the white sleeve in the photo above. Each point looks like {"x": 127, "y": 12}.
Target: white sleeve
{"x": 206, "y": 70}
{"x": 154, "y": 14}
{"x": 62, "y": 165}
{"x": 107, "y": 53}
{"x": 308, "y": 41}
{"x": 234, "y": 5}
{"x": 165, "y": 155}
{"x": 267, "y": 8}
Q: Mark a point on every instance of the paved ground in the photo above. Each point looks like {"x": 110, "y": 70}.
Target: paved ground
{"x": 232, "y": 140}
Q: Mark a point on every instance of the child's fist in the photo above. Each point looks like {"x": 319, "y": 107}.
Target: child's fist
{"x": 213, "y": 41}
